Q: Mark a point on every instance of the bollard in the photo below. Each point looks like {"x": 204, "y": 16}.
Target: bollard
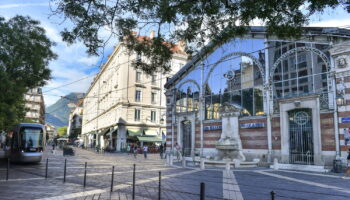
{"x": 112, "y": 179}
{"x": 159, "y": 186}
{"x": 47, "y": 164}
{"x": 8, "y": 168}
{"x": 65, "y": 169}
{"x": 133, "y": 183}
{"x": 202, "y": 192}
{"x": 272, "y": 195}
{"x": 85, "y": 174}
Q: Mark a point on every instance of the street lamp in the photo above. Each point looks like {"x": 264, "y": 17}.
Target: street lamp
{"x": 340, "y": 100}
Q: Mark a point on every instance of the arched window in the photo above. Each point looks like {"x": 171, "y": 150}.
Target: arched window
{"x": 187, "y": 97}
{"x": 300, "y": 69}
{"x": 236, "y": 78}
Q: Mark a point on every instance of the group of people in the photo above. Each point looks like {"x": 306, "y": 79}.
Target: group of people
{"x": 135, "y": 149}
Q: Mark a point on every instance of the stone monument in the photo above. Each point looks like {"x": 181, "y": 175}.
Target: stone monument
{"x": 230, "y": 145}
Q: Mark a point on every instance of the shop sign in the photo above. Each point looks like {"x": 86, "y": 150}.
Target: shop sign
{"x": 253, "y": 125}
{"x": 212, "y": 128}
{"x": 345, "y": 119}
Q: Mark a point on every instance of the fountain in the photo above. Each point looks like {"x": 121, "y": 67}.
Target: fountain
{"x": 229, "y": 146}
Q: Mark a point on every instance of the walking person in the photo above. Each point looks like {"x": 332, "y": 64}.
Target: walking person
{"x": 347, "y": 171}
{"x": 161, "y": 151}
{"x": 135, "y": 151}
{"x": 53, "y": 148}
{"x": 145, "y": 151}
{"x": 128, "y": 149}
{"x": 178, "y": 151}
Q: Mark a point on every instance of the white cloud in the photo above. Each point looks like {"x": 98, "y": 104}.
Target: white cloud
{"x": 332, "y": 23}
{"x": 89, "y": 61}
{"x": 7, "y": 6}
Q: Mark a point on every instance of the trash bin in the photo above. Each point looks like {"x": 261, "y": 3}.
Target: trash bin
{"x": 337, "y": 166}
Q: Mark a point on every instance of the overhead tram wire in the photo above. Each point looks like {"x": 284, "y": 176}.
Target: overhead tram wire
{"x": 195, "y": 68}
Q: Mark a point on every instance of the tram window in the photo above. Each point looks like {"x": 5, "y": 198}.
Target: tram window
{"x": 31, "y": 137}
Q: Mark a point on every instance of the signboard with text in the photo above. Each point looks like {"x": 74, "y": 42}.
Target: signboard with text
{"x": 212, "y": 128}
{"x": 253, "y": 125}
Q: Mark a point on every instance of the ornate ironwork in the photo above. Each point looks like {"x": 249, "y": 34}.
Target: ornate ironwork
{"x": 300, "y": 137}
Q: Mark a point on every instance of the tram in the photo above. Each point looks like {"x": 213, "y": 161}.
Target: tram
{"x": 25, "y": 142}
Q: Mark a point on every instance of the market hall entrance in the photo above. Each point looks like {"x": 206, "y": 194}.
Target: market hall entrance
{"x": 186, "y": 138}
{"x": 301, "y": 146}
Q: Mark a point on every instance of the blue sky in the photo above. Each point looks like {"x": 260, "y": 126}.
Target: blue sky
{"x": 73, "y": 63}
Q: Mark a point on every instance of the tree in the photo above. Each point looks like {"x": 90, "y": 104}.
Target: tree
{"x": 62, "y": 131}
{"x": 25, "y": 52}
{"x": 194, "y": 22}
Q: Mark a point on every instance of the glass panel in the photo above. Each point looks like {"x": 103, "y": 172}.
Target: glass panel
{"x": 32, "y": 138}
{"x": 247, "y": 102}
{"x": 258, "y": 102}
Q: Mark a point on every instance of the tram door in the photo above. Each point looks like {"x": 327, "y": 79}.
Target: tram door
{"x": 186, "y": 138}
{"x": 301, "y": 137}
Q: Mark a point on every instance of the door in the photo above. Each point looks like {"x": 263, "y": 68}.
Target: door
{"x": 186, "y": 138}
{"x": 301, "y": 137}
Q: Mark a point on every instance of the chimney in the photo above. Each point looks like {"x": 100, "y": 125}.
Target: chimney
{"x": 152, "y": 34}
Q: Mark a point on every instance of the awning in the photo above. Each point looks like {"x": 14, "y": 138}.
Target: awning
{"x": 149, "y": 138}
{"x": 153, "y": 132}
{"x": 134, "y": 132}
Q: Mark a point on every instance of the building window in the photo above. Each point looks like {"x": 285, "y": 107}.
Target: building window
{"x": 153, "y": 116}
{"x": 137, "y": 115}
{"x": 138, "y": 77}
{"x": 154, "y": 79}
{"x": 138, "y": 95}
{"x": 154, "y": 97}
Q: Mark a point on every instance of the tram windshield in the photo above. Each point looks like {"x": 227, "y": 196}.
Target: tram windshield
{"x": 31, "y": 137}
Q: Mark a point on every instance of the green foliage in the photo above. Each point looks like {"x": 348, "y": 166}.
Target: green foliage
{"x": 24, "y": 56}
{"x": 194, "y": 22}
{"x": 62, "y": 131}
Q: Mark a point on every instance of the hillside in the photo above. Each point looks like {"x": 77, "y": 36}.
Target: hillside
{"x": 57, "y": 114}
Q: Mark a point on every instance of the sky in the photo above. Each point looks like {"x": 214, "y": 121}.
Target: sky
{"x": 74, "y": 64}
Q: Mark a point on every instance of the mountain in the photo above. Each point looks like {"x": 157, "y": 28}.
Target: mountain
{"x": 58, "y": 113}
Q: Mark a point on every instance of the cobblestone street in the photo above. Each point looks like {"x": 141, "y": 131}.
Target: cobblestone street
{"x": 28, "y": 181}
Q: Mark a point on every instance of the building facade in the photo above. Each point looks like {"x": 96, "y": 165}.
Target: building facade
{"x": 75, "y": 120}
{"x": 51, "y": 132}
{"x": 293, "y": 97}
{"x": 124, "y": 105}
{"x": 34, "y": 102}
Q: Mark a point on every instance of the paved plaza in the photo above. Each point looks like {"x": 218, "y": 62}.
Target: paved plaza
{"x": 28, "y": 181}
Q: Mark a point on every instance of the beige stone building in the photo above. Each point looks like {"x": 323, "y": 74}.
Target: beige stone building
{"x": 124, "y": 105}
{"x": 34, "y": 102}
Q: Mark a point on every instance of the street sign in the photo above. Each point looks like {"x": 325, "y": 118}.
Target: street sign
{"x": 345, "y": 119}
{"x": 253, "y": 125}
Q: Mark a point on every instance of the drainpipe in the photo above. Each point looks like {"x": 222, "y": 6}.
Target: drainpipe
{"x": 267, "y": 90}
{"x": 335, "y": 112}
{"x": 201, "y": 110}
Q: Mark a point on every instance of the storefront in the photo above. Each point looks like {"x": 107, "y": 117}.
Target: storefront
{"x": 286, "y": 91}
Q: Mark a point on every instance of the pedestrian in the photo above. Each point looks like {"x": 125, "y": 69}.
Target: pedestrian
{"x": 135, "y": 151}
{"x": 161, "y": 148}
{"x": 145, "y": 151}
{"x": 53, "y": 148}
{"x": 178, "y": 151}
{"x": 347, "y": 171}
{"x": 346, "y": 136}
{"x": 128, "y": 149}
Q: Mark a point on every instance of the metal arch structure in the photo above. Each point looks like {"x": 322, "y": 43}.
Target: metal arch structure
{"x": 255, "y": 60}
{"x": 189, "y": 81}
{"x": 295, "y": 50}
